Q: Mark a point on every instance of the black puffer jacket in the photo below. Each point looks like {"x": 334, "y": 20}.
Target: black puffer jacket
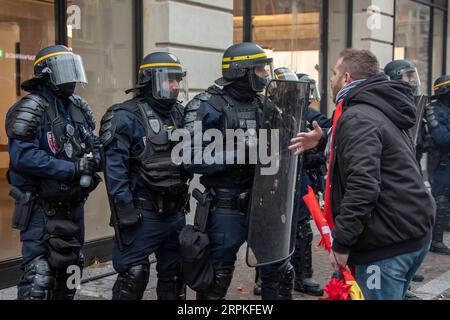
{"x": 380, "y": 204}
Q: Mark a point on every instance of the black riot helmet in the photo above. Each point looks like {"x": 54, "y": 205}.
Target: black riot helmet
{"x": 60, "y": 66}
{"x": 163, "y": 74}
{"x": 404, "y": 70}
{"x": 442, "y": 86}
{"x": 246, "y": 59}
{"x": 285, "y": 74}
{"x": 314, "y": 94}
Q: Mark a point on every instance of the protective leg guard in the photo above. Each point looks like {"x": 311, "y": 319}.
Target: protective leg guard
{"x": 131, "y": 285}
{"x": 171, "y": 285}
{"x": 442, "y": 221}
{"x": 62, "y": 291}
{"x": 39, "y": 279}
{"x": 278, "y": 285}
{"x": 219, "y": 288}
{"x": 302, "y": 262}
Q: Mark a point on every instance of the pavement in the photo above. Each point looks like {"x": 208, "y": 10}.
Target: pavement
{"x": 435, "y": 269}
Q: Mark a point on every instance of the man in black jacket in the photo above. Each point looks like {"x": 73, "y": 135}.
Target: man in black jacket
{"x": 381, "y": 211}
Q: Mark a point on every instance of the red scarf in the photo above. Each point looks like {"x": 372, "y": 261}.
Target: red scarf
{"x": 327, "y": 211}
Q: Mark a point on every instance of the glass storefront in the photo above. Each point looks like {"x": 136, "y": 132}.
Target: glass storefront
{"x": 25, "y": 28}
{"x": 107, "y": 49}
{"x": 108, "y": 52}
{"x": 412, "y": 36}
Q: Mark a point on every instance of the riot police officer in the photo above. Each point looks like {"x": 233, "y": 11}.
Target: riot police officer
{"x": 438, "y": 118}
{"x": 148, "y": 191}
{"x": 405, "y": 71}
{"x": 235, "y": 103}
{"x": 54, "y": 157}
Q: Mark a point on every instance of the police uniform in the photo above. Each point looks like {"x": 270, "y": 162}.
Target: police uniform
{"x": 52, "y": 145}
{"x": 234, "y": 104}
{"x": 148, "y": 192}
{"x": 438, "y": 118}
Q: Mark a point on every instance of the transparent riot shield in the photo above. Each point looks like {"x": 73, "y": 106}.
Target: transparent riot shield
{"x": 270, "y": 237}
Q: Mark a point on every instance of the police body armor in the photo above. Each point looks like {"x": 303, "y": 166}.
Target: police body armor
{"x": 57, "y": 198}
{"x": 236, "y": 115}
{"x": 437, "y": 156}
{"x": 166, "y": 180}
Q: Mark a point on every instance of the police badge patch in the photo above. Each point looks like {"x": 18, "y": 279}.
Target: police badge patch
{"x": 51, "y": 141}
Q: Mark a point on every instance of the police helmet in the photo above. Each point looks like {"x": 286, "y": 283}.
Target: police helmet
{"x": 404, "y": 70}
{"x": 285, "y": 74}
{"x": 314, "y": 94}
{"x": 163, "y": 71}
{"x": 60, "y": 65}
{"x": 442, "y": 86}
{"x": 246, "y": 59}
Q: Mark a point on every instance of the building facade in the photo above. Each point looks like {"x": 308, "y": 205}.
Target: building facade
{"x": 114, "y": 35}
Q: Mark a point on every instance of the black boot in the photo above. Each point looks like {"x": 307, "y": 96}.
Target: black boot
{"x": 277, "y": 282}
{"x": 257, "y": 289}
{"x": 219, "y": 289}
{"x": 131, "y": 285}
{"x": 418, "y": 278}
{"x": 302, "y": 262}
{"x": 442, "y": 221}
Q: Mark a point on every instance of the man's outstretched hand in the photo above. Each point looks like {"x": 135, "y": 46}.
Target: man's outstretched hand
{"x": 306, "y": 140}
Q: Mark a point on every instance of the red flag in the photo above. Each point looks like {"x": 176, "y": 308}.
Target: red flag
{"x": 316, "y": 212}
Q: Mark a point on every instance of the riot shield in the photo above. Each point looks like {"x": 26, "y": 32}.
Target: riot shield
{"x": 421, "y": 103}
{"x": 270, "y": 237}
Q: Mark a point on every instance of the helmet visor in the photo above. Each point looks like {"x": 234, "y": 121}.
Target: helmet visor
{"x": 67, "y": 68}
{"x": 260, "y": 75}
{"x": 412, "y": 77}
{"x": 314, "y": 92}
{"x": 169, "y": 84}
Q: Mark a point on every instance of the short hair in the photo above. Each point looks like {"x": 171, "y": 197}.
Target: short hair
{"x": 360, "y": 64}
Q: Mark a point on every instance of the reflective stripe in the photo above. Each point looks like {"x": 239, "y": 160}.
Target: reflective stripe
{"x": 440, "y": 85}
{"x": 240, "y": 58}
{"x": 52, "y": 55}
{"x": 226, "y": 66}
{"x": 150, "y": 65}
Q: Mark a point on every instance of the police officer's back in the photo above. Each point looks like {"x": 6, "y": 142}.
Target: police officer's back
{"x": 54, "y": 156}
{"x": 148, "y": 191}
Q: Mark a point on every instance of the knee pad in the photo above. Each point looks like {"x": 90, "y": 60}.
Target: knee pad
{"x": 131, "y": 285}
{"x": 40, "y": 281}
{"x": 171, "y": 285}
{"x": 219, "y": 288}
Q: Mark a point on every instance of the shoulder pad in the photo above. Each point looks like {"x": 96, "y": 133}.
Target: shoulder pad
{"x": 178, "y": 112}
{"x": 215, "y": 90}
{"x": 108, "y": 127}
{"x": 109, "y": 120}
{"x": 431, "y": 117}
{"x": 86, "y": 110}
{"x": 26, "y": 117}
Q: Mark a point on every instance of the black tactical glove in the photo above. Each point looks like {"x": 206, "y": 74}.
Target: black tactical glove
{"x": 85, "y": 167}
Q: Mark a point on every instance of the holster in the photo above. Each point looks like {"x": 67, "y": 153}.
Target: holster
{"x": 24, "y": 202}
{"x": 204, "y": 205}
